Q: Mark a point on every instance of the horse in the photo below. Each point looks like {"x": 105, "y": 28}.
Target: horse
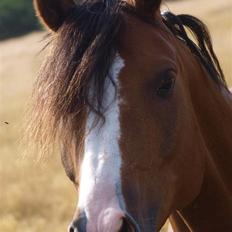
{"x": 141, "y": 113}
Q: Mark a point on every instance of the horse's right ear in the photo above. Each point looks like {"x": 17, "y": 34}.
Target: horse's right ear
{"x": 52, "y": 13}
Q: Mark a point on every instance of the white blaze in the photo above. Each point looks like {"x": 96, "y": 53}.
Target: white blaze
{"x": 100, "y": 184}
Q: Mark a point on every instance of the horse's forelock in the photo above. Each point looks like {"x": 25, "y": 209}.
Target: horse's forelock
{"x": 148, "y": 6}
{"x": 82, "y": 52}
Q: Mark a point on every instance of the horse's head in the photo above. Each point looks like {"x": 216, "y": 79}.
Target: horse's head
{"x": 117, "y": 89}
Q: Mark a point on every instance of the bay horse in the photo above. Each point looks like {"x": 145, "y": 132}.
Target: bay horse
{"x": 142, "y": 115}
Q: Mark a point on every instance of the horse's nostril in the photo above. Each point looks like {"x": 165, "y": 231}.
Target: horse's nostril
{"x": 125, "y": 226}
{"x": 78, "y": 224}
{"x": 129, "y": 225}
{"x": 72, "y": 229}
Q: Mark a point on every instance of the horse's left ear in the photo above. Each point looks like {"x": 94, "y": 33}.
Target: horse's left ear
{"x": 148, "y": 7}
{"x": 52, "y": 13}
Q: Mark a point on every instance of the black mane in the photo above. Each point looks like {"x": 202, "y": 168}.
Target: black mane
{"x": 80, "y": 56}
{"x": 203, "y": 49}
{"x": 86, "y": 47}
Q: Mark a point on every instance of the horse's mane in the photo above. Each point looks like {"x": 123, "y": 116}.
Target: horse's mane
{"x": 203, "y": 49}
{"x": 81, "y": 54}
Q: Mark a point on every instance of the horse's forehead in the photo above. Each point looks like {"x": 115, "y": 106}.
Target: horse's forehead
{"x": 145, "y": 42}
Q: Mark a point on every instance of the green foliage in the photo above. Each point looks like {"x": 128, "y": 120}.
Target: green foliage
{"x": 17, "y": 17}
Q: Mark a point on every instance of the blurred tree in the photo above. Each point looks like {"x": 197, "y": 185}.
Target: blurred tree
{"x": 17, "y": 17}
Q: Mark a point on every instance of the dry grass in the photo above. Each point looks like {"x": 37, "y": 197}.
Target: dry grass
{"x": 33, "y": 196}
{"x": 38, "y": 197}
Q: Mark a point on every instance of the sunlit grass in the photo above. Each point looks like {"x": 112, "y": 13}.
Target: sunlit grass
{"x": 39, "y": 197}
{"x": 34, "y": 197}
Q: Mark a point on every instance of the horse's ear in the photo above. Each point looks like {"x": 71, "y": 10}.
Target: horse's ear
{"x": 52, "y": 13}
{"x": 148, "y": 6}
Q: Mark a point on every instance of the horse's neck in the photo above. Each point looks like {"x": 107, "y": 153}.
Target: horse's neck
{"x": 213, "y": 109}
{"x": 211, "y": 211}
{"x": 216, "y": 126}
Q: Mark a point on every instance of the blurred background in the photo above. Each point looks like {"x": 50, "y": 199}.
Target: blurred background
{"x": 37, "y": 197}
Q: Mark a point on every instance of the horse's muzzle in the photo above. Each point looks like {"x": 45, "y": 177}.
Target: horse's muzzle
{"x": 128, "y": 224}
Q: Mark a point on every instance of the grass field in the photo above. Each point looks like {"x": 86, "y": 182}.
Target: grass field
{"x": 38, "y": 197}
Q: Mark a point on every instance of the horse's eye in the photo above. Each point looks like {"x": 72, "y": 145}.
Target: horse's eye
{"x": 166, "y": 86}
